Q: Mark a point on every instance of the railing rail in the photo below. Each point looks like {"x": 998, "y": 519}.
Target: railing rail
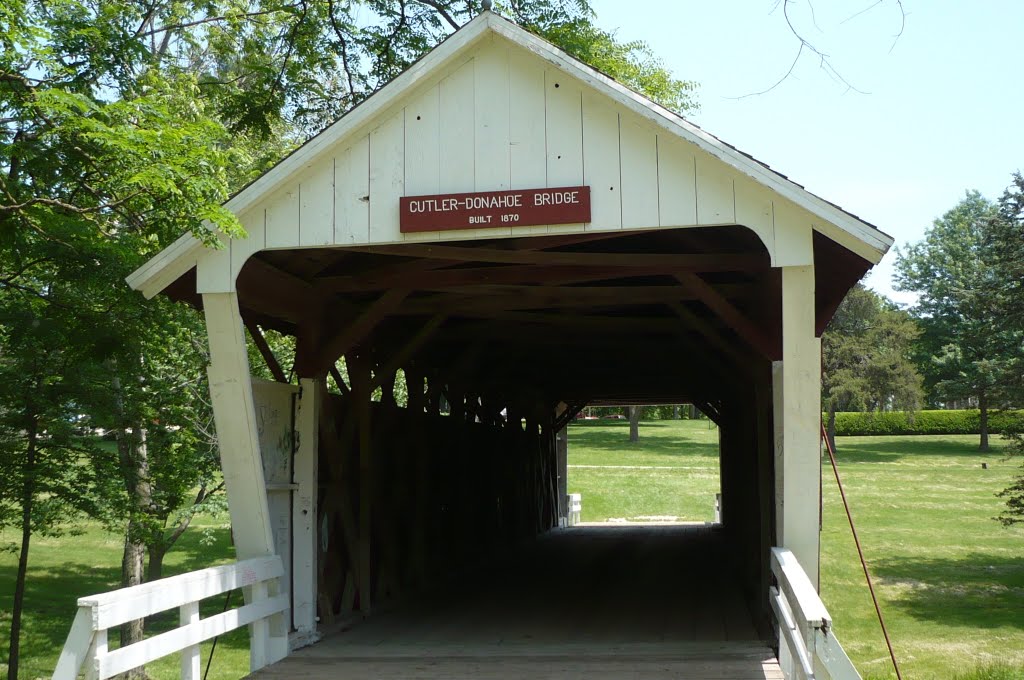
{"x": 86, "y": 646}
{"x": 812, "y": 651}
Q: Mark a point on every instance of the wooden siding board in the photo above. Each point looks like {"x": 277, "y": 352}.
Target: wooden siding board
{"x": 677, "y": 182}
{"x": 793, "y": 236}
{"x": 213, "y": 273}
{"x": 564, "y": 124}
{"x": 639, "y": 163}
{"x": 316, "y": 201}
{"x": 254, "y": 223}
{"x": 716, "y": 203}
{"x": 457, "y": 132}
{"x": 491, "y": 162}
{"x": 601, "y": 162}
{"x": 351, "y": 194}
{"x": 527, "y": 127}
{"x": 283, "y": 218}
{"x": 754, "y": 209}
{"x": 423, "y": 152}
{"x": 387, "y": 178}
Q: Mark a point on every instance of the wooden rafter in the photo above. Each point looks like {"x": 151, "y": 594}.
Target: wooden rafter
{"x": 403, "y": 354}
{"x": 703, "y": 262}
{"x": 275, "y": 292}
{"x": 338, "y": 379}
{"x": 498, "y": 274}
{"x": 603, "y": 323}
{"x": 351, "y": 334}
{"x": 729, "y": 314}
{"x": 566, "y": 416}
{"x": 268, "y": 355}
{"x": 710, "y": 333}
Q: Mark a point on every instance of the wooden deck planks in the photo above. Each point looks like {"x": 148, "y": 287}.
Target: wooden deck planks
{"x": 595, "y": 602}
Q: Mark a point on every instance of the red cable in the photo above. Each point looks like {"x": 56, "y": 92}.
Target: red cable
{"x": 860, "y": 552}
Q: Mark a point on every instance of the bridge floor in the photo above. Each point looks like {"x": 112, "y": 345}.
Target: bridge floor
{"x": 594, "y": 602}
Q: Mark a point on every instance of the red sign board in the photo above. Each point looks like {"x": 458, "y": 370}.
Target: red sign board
{"x": 563, "y": 205}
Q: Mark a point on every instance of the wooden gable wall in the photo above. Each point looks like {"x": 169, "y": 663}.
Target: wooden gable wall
{"x": 503, "y": 118}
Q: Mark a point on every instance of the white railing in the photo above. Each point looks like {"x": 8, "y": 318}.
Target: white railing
{"x": 86, "y": 647}
{"x": 808, "y": 650}
{"x": 575, "y": 508}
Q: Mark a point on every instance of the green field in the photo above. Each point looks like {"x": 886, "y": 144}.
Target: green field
{"x": 64, "y": 569}
{"x": 951, "y": 579}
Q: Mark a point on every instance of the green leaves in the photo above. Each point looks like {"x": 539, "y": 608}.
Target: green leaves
{"x": 867, "y": 356}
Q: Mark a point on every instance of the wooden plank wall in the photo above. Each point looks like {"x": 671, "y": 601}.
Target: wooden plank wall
{"x": 502, "y": 119}
{"x": 438, "y": 491}
{"x": 747, "y": 474}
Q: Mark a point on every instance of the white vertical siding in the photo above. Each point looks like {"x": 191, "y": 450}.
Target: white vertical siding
{"x": 254, "y": 223}
{"x": 387, "y": 178}
{"x": 283, "y": 218}
{"x": 491, "y": 120}
{"x": 677, "y": 182}
{"x": 601, "y": 162}
{"x": 639, "y": 175}
{"x": 352, "y": 194}
{"x": 316, "y": 205}
{"x": 502, "y": 118}
{"x": 457, "y": 131}
{"x": 716, "y": 203}
{"x": 564, "y": 124}
{"x": 528, "y": 167}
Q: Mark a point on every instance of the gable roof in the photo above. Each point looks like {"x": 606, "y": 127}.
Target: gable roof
{"x": 847, "y": 229}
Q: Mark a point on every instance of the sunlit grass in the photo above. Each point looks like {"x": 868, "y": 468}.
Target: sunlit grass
{"x": 950, "y": 578}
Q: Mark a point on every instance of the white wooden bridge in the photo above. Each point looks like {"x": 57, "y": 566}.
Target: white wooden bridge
{"x": 518, "y": 235}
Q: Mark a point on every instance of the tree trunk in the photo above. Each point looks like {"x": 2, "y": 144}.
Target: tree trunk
{"x": 634, "y": 423}
{"x": 832, "y": 426}
{"x": 134, "y": 460}
{"x": 27, "y": 496}
{"x": 675, "y": 412}
{"x": 694, "y": 413}
{"x": 983, "y": 407}
{"x": 155, "y": 563}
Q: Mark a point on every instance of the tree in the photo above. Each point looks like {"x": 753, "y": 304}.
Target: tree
{"x": 1004, "y": 253}
{"x": 45, "y": 479}
{"x": 124, "y": 124}
{"x": 634, "y": 413}
{"x": 866, "y": 355}
{"x": 961, "y": 348}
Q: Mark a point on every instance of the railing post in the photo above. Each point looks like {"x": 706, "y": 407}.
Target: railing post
{"x": 189, "y": 613}
{"x": 96, "y": 652}
{"x": 259, "y": 631}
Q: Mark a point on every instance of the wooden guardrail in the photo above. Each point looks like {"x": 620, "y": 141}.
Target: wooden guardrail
{"x": 805, "y": 625}
{"x": 86, "y": 647}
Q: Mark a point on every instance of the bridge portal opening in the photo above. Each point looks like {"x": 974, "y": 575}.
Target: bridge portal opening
{"x": 669, "y": 475}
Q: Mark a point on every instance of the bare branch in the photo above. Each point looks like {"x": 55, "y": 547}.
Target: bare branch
{"x": 442, "y": 11}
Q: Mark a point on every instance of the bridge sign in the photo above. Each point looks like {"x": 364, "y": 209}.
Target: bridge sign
{"x": 524, "y": 207}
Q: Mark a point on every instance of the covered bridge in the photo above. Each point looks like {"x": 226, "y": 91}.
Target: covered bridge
{"x": 520, "y": 235}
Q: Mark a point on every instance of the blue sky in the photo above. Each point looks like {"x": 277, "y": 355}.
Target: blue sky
{"x": 941, "y": 110}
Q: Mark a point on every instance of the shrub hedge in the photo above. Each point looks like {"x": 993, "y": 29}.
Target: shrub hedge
{"x": 925, "y": 422}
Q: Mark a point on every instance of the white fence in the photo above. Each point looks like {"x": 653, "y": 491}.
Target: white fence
{"x": 808, "y": 650}
{"x": 86, "y": 647}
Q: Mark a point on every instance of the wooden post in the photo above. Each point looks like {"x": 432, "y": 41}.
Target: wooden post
{"x": 189, "y": 613}
{"x": 359, "y": 374}
{"x": 241, "y": 463}
{"x": 235, "y": 416}
{"x": 304, "y": 508}
{"x": 797, "y": 387}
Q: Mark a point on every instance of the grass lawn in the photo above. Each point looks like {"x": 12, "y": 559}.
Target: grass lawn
{"x": 951, "y": 580}
{"x": 66, "y": 568}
